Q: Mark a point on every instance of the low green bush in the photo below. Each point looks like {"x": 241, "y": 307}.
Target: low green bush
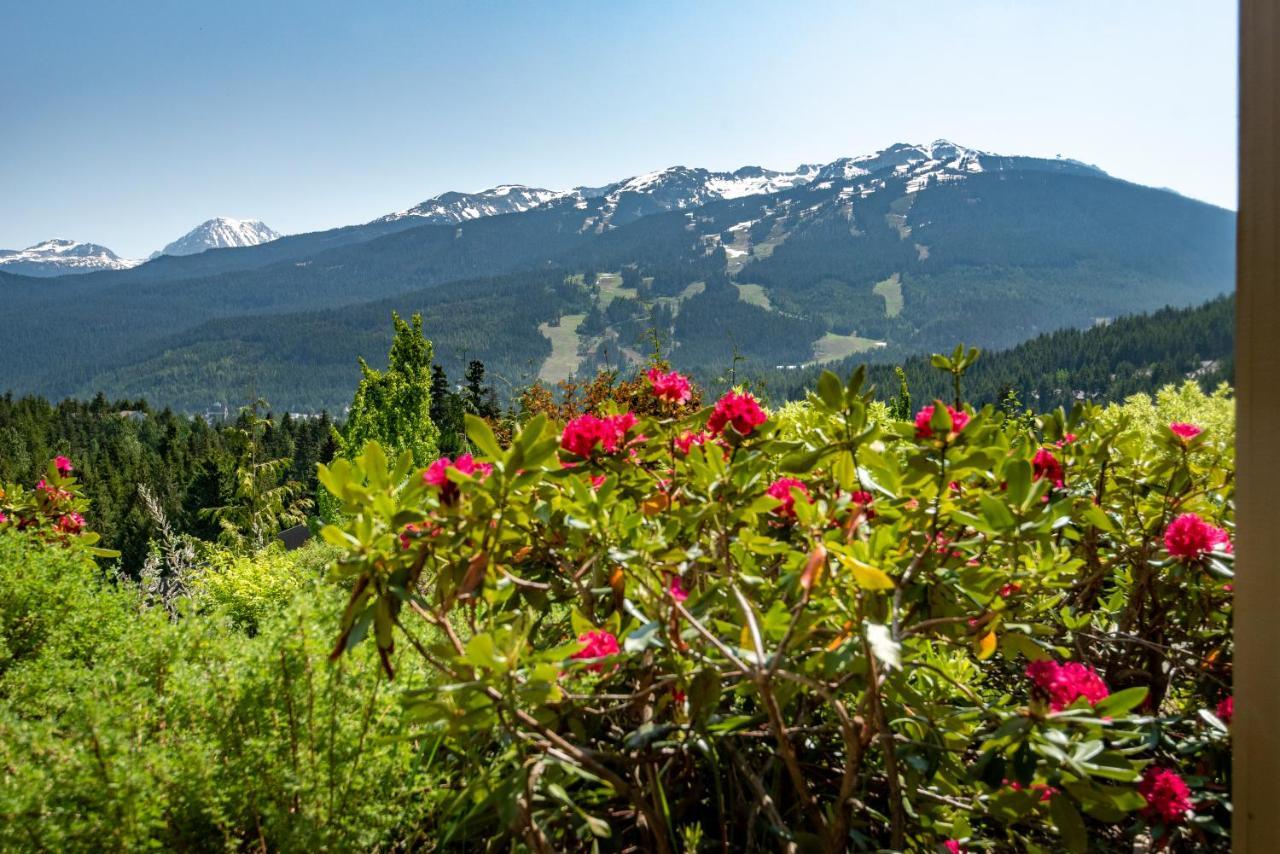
{"x": 121, "y": 729}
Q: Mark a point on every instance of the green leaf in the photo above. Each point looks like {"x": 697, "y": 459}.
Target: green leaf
{"x": 830, "y": 391}
{"x": 865, "y": 575}
{"x": 996, "y": 513}
{"x": 479, "y": 432}
{"x": 1017, "y": 475}
{"x": 1121, "y": 702}
{"x": 1069, "y": 823}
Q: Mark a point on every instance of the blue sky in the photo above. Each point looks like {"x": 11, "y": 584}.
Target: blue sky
{"x": 128, "y": 123}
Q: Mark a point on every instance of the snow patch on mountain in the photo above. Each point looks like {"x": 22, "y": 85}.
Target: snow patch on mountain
{"x": 60, "y": 257}
{"x": 220, "y": 233}
{"x": 452, "y": 208}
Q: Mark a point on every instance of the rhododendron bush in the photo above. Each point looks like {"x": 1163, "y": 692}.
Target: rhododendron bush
{"x": 709, "y": 627}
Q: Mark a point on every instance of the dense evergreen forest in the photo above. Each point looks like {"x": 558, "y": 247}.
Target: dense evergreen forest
{"x": 1107, "y": 362}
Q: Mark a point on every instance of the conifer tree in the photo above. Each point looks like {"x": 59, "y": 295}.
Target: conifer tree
{"x": 393, "y": 407}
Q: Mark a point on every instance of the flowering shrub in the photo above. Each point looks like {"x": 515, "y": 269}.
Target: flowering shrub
{"x": 963, "y": 631}
{"x": 53, "y": 511}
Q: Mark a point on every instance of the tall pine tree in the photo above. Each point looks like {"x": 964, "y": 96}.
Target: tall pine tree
{"x": 393, "y": 407}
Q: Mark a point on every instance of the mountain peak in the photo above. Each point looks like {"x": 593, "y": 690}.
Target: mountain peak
{"x": 454, "y": 207}
{"x": 60, "y": 256}
{"x": 219, "y": 233}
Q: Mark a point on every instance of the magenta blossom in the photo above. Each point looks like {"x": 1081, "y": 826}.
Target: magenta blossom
{"x": 672, "y": 387}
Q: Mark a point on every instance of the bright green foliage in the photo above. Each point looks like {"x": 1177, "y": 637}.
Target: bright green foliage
{"x": 393, "y": 407}
{"x": 121, "y": 730}
{"x": 1215, "y": 412}
{"x": 251, "y": 588}
{"x": 848, "y": 670}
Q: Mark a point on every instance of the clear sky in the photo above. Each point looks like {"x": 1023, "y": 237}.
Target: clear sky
{"x": 128, "y": 123}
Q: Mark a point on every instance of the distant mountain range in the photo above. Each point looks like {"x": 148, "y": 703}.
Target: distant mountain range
{"x": 61, "y": 257}
{"x": 68, "y": 257}
{"x": 911, "y": 248}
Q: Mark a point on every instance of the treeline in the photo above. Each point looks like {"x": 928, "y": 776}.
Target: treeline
{"x": 1108, "y": 362}
{"x": 187, "y": 463}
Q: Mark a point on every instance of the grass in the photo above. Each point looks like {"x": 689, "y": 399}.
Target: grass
{"x": 891, "y": 290}
{"x": 609, "y": 286}
{"x": 832, "y": 347}
{"x": 755, "y": 295}
{"x": 564, "y": 359}
{"x": 690, "y": 291}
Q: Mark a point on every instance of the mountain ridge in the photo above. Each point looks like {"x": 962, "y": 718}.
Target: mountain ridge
{"x": 911, "y": 248}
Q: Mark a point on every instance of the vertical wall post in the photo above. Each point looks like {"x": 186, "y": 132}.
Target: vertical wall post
{"x": 1256, "y": 727}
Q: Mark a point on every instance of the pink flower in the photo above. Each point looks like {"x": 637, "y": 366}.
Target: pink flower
{"x": 1063, "y": 684}
{"x": 959, "y": 418}
{"x": 1189, "y": 537}
{"x": 405, "y": 535}
{"x": 864, "y": 499}
{"x": 676, "y": 588}
{"x": 1045, "y": 464}
{"x": 437, "y": 474}
{"x": 1009, "y": 589}
{"x": 1185, "y": 431}
{"x": 1167, "y": 795}
{"x": 953, "y": 846}
{"x": 740, "y": 410}
{"x": 55, "y": 493}
{"x": 586, "y": 432}
{"x": 1065, "y": 440}
{"x": 71, "y": 523}
{"x": 671, "y": 387}
{"x": 781, "y": 490}
{"x": 3, "y": 518}
{"x": 1226, "y": 710}
{"x": 597, "y": 480}
{"x": 599, "y": 644}
{"x": 688, "y": 439}
{"x": 63, "y": 465}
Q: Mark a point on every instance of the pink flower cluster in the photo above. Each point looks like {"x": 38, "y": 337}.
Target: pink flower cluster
{"x": 1185, "y": 432}
{"x": 688, "y": 439}
{"x": 672, "y": 387}
{"x": 781, "y": 490}
{"x": 601, "y": 644}
{"x": 1167, "y": 795}
{"x": 676, "y": 588}
{"x": 1189, "y": 537}
{"x": 1063, "y": 684}
{"x": 959, "y": 418}
{"x": 71, "y": 523}
{"x": 585, "y": 433}
{"x": 1227, "y": 709}
{"x": 740, "y": 410}
{"x": 63, "y": 465}
{"x": 1045, "y": 465}
{"x": 437, "y": 474}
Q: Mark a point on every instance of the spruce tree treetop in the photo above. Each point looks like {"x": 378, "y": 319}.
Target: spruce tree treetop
{"x": 393, "y": 407}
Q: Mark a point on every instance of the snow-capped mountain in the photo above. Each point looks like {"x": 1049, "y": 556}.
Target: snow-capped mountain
{"x": 218, "y": 233}
{"x": 679, "y": 187}
{"x": 682, "y": 187}
{"x": 60, "y": 258}
{"x": 451, "y": 208}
